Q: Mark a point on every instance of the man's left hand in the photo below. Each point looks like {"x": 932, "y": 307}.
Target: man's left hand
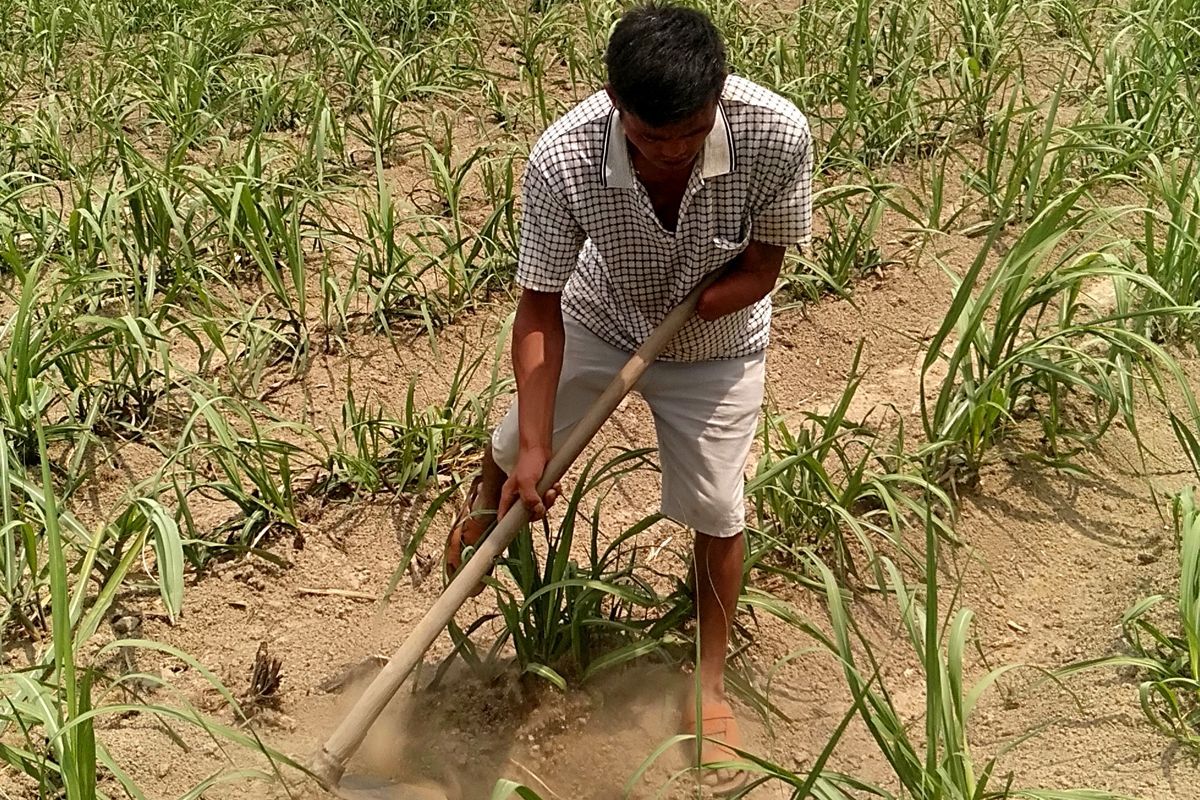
{"x": 750, "y": 278}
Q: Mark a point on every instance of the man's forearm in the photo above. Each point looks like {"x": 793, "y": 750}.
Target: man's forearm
{"x": 537, "y": 363}
{"x": 733, "y": 292}
{"x": 748, "y": 280}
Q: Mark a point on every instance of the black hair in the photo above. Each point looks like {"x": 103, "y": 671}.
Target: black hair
{"x": 665, "y": 62}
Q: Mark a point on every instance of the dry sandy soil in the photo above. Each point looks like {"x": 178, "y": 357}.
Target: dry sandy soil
{"x": 1049, "y": 562}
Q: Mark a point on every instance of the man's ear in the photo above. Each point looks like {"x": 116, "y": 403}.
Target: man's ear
{"x": 612, "y": 96}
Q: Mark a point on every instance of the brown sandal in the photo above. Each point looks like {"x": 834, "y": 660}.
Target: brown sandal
{"x": 457, "y": 551}
{"x": 719, "y": 731}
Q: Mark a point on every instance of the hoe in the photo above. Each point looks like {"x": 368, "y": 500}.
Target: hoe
{"x": 328, "y": 765}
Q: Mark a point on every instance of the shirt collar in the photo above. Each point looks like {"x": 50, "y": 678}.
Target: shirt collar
{"x": 719, "y": 156}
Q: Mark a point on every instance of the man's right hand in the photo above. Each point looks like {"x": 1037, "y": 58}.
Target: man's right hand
{"x": 523, "y": 482}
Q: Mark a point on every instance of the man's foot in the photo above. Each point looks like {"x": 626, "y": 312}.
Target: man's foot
{"x": 720, "y": 733}
{"x": 468, "y": 529}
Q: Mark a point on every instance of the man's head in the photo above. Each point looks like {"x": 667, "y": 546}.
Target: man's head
{"x": 666, "y": 68}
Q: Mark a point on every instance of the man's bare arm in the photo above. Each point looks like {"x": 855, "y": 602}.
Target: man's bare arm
{"x": 537, "y": 356}
{"x": 751, "y": 278}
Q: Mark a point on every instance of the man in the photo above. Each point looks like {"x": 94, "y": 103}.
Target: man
{"x": 675, "y": 169}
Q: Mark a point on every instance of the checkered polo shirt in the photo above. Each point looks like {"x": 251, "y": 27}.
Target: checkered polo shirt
{"x": 588, "y": 228}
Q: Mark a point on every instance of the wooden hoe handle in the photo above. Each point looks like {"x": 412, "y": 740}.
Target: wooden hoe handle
{"x": 329, "y": 762}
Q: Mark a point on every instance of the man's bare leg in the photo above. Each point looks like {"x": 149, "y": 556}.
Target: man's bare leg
{"x": 471, "y": 528}
{"x": 718, "y": 584}
{"x": 491, "y": 482}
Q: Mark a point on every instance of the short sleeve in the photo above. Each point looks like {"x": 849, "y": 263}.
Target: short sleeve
{"x": 550, "y": 238}
{"x": 783, "y": 215}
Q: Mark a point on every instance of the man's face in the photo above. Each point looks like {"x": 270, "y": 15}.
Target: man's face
{"x": 672, "y": 147}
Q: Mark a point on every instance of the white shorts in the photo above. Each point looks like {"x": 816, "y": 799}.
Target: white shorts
{"x": 705, "y": 417}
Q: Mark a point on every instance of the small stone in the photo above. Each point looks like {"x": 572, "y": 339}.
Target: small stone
{"x": 285, "y": 722}
{"x": 1146, "y": 557}
{"x": 163, "y": 769}
{"x": 1108, "y": 505}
